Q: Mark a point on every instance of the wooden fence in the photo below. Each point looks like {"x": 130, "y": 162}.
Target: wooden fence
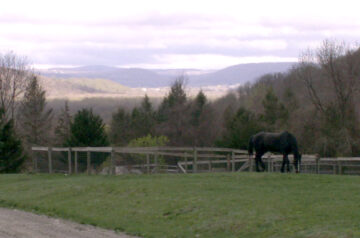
{"x": 195, "y": 160}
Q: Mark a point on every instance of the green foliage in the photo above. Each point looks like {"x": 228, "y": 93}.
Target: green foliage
{"x": 120, "y": 133}
{"x": 274, "y": 111}
{"x": 143, "y": 119}
{"x": 239, "y": 128}
{"x": 148, "y": 141}
{"x": 173, "y": 114}
{"x": 88, "y": 129}
{"x": 173, "y": 101}
{"x": 125, "y": 126}
{"x": 63, "y": 130}
{"x": 247, "y": 204}
{"x": 290, "y": 101}
{"x": 198, "y": 108}
{"x": 11, "y": 151}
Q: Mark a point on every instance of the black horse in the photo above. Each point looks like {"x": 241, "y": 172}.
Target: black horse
{"x": 284, "y": 143}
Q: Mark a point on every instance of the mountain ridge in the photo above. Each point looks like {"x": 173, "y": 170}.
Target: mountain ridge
{"x": 152, "y": 78}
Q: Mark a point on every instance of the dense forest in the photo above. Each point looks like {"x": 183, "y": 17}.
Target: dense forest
{"x": 317, "y": 100}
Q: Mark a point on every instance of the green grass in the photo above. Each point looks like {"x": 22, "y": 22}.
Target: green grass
{"x": 200, "y": 205}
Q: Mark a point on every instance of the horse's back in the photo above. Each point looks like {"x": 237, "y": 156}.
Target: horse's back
{"x": 273, "y": 142}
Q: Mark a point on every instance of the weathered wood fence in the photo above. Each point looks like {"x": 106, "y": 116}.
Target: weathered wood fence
{"x": 194, "y": 160}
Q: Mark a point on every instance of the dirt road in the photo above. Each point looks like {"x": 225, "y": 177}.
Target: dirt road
{"x": 19, "y": 224}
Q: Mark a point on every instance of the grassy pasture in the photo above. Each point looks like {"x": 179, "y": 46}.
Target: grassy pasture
{"x": 196, "y": 205}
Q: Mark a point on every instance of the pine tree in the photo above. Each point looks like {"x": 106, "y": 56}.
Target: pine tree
{"x": 198, "y": 108}
{"x": 62, "y": 129}
{"x": 173, "y": 114}
{"x": 143, "y": 119}
{"x": 88, "y": 129}
{"x": 120, "y": 133}
{"x": 34, "y": 119}
{"x": 274, "y": 111}
{"x": 11, "y": 151}
{"x": 174, "y": 101}
{"x": 239, "y": 128}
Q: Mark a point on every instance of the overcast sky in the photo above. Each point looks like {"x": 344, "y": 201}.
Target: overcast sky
{"x": 172, "y": 34}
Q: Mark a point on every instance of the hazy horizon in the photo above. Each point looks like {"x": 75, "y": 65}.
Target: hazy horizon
{"x": 44, "y": 67}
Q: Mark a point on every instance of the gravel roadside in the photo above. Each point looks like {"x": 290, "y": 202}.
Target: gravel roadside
{"x": 20, "y": 224}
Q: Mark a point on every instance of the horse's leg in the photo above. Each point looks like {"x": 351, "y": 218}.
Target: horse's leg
{"x": 257, "y": 159}
{"x": 283, "y": 164}
{"x": 262, "y": 164}
{"x": 287, "y": 163}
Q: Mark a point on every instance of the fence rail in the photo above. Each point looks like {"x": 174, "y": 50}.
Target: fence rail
{"x": 183, "y": 160}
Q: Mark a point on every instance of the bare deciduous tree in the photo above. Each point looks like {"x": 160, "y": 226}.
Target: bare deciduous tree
{"x": 331, "y": 77}
{"x": 14, "y": 74}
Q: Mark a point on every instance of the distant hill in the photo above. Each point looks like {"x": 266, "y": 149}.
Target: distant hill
{"x": 136, "y": 77}
{"x": 132, "y": 77}
{"x": 238, "y": 74}
{"x": 81, "y": 87}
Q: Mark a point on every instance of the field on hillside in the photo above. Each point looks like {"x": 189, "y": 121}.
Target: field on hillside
{"x": 196, "y": 205}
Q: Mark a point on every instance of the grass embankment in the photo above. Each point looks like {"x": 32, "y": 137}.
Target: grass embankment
{"x": 200, "y": 205}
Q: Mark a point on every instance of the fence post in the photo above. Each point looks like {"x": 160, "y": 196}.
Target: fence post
{"x": 156, "y": 162}
{"x": 76, "y": 162}
{"x": 112, "y": 162}
{"x": 340, "y": 167}
{"x": 232, "y": 161}
{"x": 195, "y": 161}
{"x": 50, "y": 160}
{"x": 147, "y": 163}
{"x": 317, "y": 163}
{"x": 269, "y": 163}
{"x": 35, "y": 161}
{"x": 186, "y": 161}
{"x": 69, "y": 159}
{"x": 88, "y": 159}
{"x": 209, "y": 165}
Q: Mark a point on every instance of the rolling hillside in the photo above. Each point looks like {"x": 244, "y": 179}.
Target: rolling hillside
{"x": 135, "y": 77}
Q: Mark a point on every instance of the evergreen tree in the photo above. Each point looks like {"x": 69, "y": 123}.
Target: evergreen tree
{"x": 239, "y": 129}
{"x": 126, "y": 127}
{"x": 120, "y": 133}
{"x": 198, "y": 108}
{"x": 173, "y": 114}
{"x": 34, "y": 119}
{"x": 11, "y": 151}
{"x": 201, "y": 118}
{"x": 174, "y": 101}
{"x": 274, "y": 111}
{"x": 63, "y": 130}
{"x": 88, "y": 129}
{"x": 148, "y": 115}
{"x": 143, "y": 119}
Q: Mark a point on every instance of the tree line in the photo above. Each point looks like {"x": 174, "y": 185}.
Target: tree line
{"x": 317, "y": 100}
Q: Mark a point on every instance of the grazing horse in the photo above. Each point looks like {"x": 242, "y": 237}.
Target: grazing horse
{"x": 284, "y": 143}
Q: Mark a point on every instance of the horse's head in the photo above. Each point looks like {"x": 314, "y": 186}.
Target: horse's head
{"x": 297, "y": 162}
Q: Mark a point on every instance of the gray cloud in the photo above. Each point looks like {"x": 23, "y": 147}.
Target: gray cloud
{"x": 143, "y": 39}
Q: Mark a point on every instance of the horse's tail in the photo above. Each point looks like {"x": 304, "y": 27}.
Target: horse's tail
{"x": 251, "y": 145}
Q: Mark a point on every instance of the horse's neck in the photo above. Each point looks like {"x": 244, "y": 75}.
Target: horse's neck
{"x": 295, "y": 150}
